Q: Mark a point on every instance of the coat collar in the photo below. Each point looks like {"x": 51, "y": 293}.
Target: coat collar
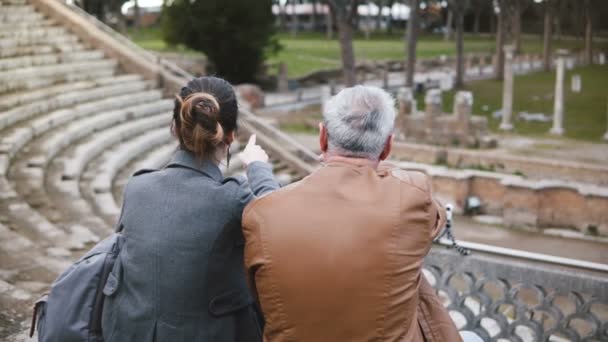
{"x": 186, "y": 159}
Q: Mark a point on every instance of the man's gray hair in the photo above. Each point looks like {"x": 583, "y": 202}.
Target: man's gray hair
{"x": 359, "y": 121}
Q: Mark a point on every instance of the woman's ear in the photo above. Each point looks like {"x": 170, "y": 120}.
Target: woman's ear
{"x": 230, "y": 138}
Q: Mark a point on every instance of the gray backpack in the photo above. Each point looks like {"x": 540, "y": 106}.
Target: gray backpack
{"x": 71, "y": 312}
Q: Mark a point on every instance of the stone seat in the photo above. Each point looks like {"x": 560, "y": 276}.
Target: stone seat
{"x": 117, "y": 158}
{"x": 47, "y": 59}
{"x": 45, "y": 106}
{"x": 23, "y": 33}
{"x": 43, "y": 98}
{"x": 61, "y": 138}
{"x": 18, "y": 137}
{"x": 34, "y": 77}
{"x": 83, "y": 153}
{"x": 8, "y": 27}
{"x": 32, "y": 17}
{"x": 57, "y": 40}
{"x": 37, "y": 49}
{"x": 8, "y": 10}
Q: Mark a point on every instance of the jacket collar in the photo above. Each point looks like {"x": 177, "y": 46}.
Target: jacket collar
{"x": 183, "y": 158}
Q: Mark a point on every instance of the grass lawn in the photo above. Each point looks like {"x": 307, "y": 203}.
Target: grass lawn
{"x": 309, "y": 52}
{"x": 585, "y": 112}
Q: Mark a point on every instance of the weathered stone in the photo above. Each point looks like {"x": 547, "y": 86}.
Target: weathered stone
{"x": 463, "y": 102}
{"x": 251, "y": 94}
{"x": 432, "y": 101}
{"x": 282, "y": 80}
{"x": 558, "y": 105}
{"x": 507, "y": 93}
{"x": 325, "y": 96}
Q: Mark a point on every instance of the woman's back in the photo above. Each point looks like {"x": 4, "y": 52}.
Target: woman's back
{"x": 180, "y": 274}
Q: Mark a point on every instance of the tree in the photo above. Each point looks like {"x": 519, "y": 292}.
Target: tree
{"x": 458, "y": 8}
{"x": 588, "y": 33}
{"x": 412, "y": 37}
{"x": 345, "y": 12}
{"x": 235, "y": 35}
{"x": 547, "y": 34}
{"x": 505, "y": 10}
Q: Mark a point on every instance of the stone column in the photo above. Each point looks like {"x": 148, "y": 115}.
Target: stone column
{"x": 325, "y": 96}
{"x": 463, "y": 101}
{"x": 606, "y": 134}
{"x": 406, "y": 102}
{"x": 558, "y": 104}
{"x": 469, "y": 64}
{"x": 482, "y": 64}
{"x": 432, "y": 101}
{"x": 507, "y": 90}
{"x": 282, "y": 82}
{"x": 385, "y": 79}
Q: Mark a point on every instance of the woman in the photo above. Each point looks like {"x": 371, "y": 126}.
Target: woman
{"x": 180, "y": 274}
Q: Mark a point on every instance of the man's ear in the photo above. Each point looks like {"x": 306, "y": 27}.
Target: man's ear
{"x": 323, "y": 138}
{"x": 387, "y": 148}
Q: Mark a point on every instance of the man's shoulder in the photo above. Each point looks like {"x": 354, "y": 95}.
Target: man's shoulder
{"x": 407, "y": 177}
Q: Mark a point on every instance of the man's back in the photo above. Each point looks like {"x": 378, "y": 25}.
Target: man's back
{"x": 338, "y": 256}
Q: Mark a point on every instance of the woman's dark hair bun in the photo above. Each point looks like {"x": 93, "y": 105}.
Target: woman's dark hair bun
{"x": 205, "y": 111}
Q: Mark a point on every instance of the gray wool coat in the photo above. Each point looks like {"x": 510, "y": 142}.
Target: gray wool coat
{"x": 180, "y": 273}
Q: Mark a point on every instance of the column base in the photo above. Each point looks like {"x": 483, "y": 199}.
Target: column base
{"x": 557, "y": 131}
{"x": 505, "y": 126}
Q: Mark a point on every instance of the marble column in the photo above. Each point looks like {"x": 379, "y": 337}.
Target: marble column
{"x": 558, "y": 104}
{"x": 606, "y": 134}
{"x": 325, "y": 96}
{"x": 282, "y": 82}
{"x": 432, "y": 101}
{"x": 463, "y": 101}
{"x": 482, "y": 64}
{"x": 507, "y": 90}
{"x": 406, "y": 102}
{"x": 385, "y": 79}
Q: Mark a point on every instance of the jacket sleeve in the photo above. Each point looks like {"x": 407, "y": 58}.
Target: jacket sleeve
{"x": 433, "y": 318}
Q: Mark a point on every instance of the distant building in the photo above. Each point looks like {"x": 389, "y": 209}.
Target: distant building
{"x": 371, "y": 16}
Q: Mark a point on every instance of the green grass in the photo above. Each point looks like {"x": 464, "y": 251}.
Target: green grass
{"x": 584, "y": 115}
{"x": 310, "y": 52}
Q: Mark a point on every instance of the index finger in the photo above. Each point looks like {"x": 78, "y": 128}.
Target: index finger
{"x": 251, "y": 141}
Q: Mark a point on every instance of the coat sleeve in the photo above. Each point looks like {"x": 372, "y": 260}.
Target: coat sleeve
{"x": 260, "y": 181}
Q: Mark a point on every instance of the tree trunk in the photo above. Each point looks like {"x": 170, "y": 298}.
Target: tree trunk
{"x": 459, "y": 47}
{"x": 294, "y": 19}
{"x": 282, "y": 19}
{"x": 448, "y": 26}
{"x": 517, "y": 26}
{"x": 588, "y": 34}
{"x": 389, "y": 23}
{"x": 412, "y": 33}
{"x": 345, "y": 32}
{"x": 379, "y": 15}
{"x": 137, "y": 15}
{"x": 547, "y": 36}
{"x": 329, "y": 22}
{"x": 500, "y": 40}
{"x": 476, "y": 21}
{"x": 313, "y": 18}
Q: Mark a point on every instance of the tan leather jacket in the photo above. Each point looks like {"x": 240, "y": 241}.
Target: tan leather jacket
{"x": 338, "y": 256}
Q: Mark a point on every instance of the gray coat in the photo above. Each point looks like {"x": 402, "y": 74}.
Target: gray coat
{"x": 180, "y": 273}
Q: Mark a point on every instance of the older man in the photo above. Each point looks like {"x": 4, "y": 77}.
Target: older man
{"x": 338, "y": 256}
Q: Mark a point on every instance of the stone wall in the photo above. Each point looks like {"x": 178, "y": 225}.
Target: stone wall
{"x": 523, "y": 202}
{"x": 535, "y": 168}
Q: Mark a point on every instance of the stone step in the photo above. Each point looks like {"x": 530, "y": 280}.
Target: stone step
{"x": 7, "y": 27}
{"x": 53, "y": 144}
{"x": 31, "y": 17}
{"x": 13, "y": 3}
{"x": 48, "y": 59}
{"x": 42, "y": 76}
{"x": 93, "y": 91}
{"x": 42, "y": 48}
{"x": 32, "y": 32}
{"x": 22, "y": 135}
{"x": 55, "y": 40}
{"x": 83, "y": 153}
{"x": 45, "y": 96}
{"x": 13, "y": 10}
{"x": 114, "y": 160}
